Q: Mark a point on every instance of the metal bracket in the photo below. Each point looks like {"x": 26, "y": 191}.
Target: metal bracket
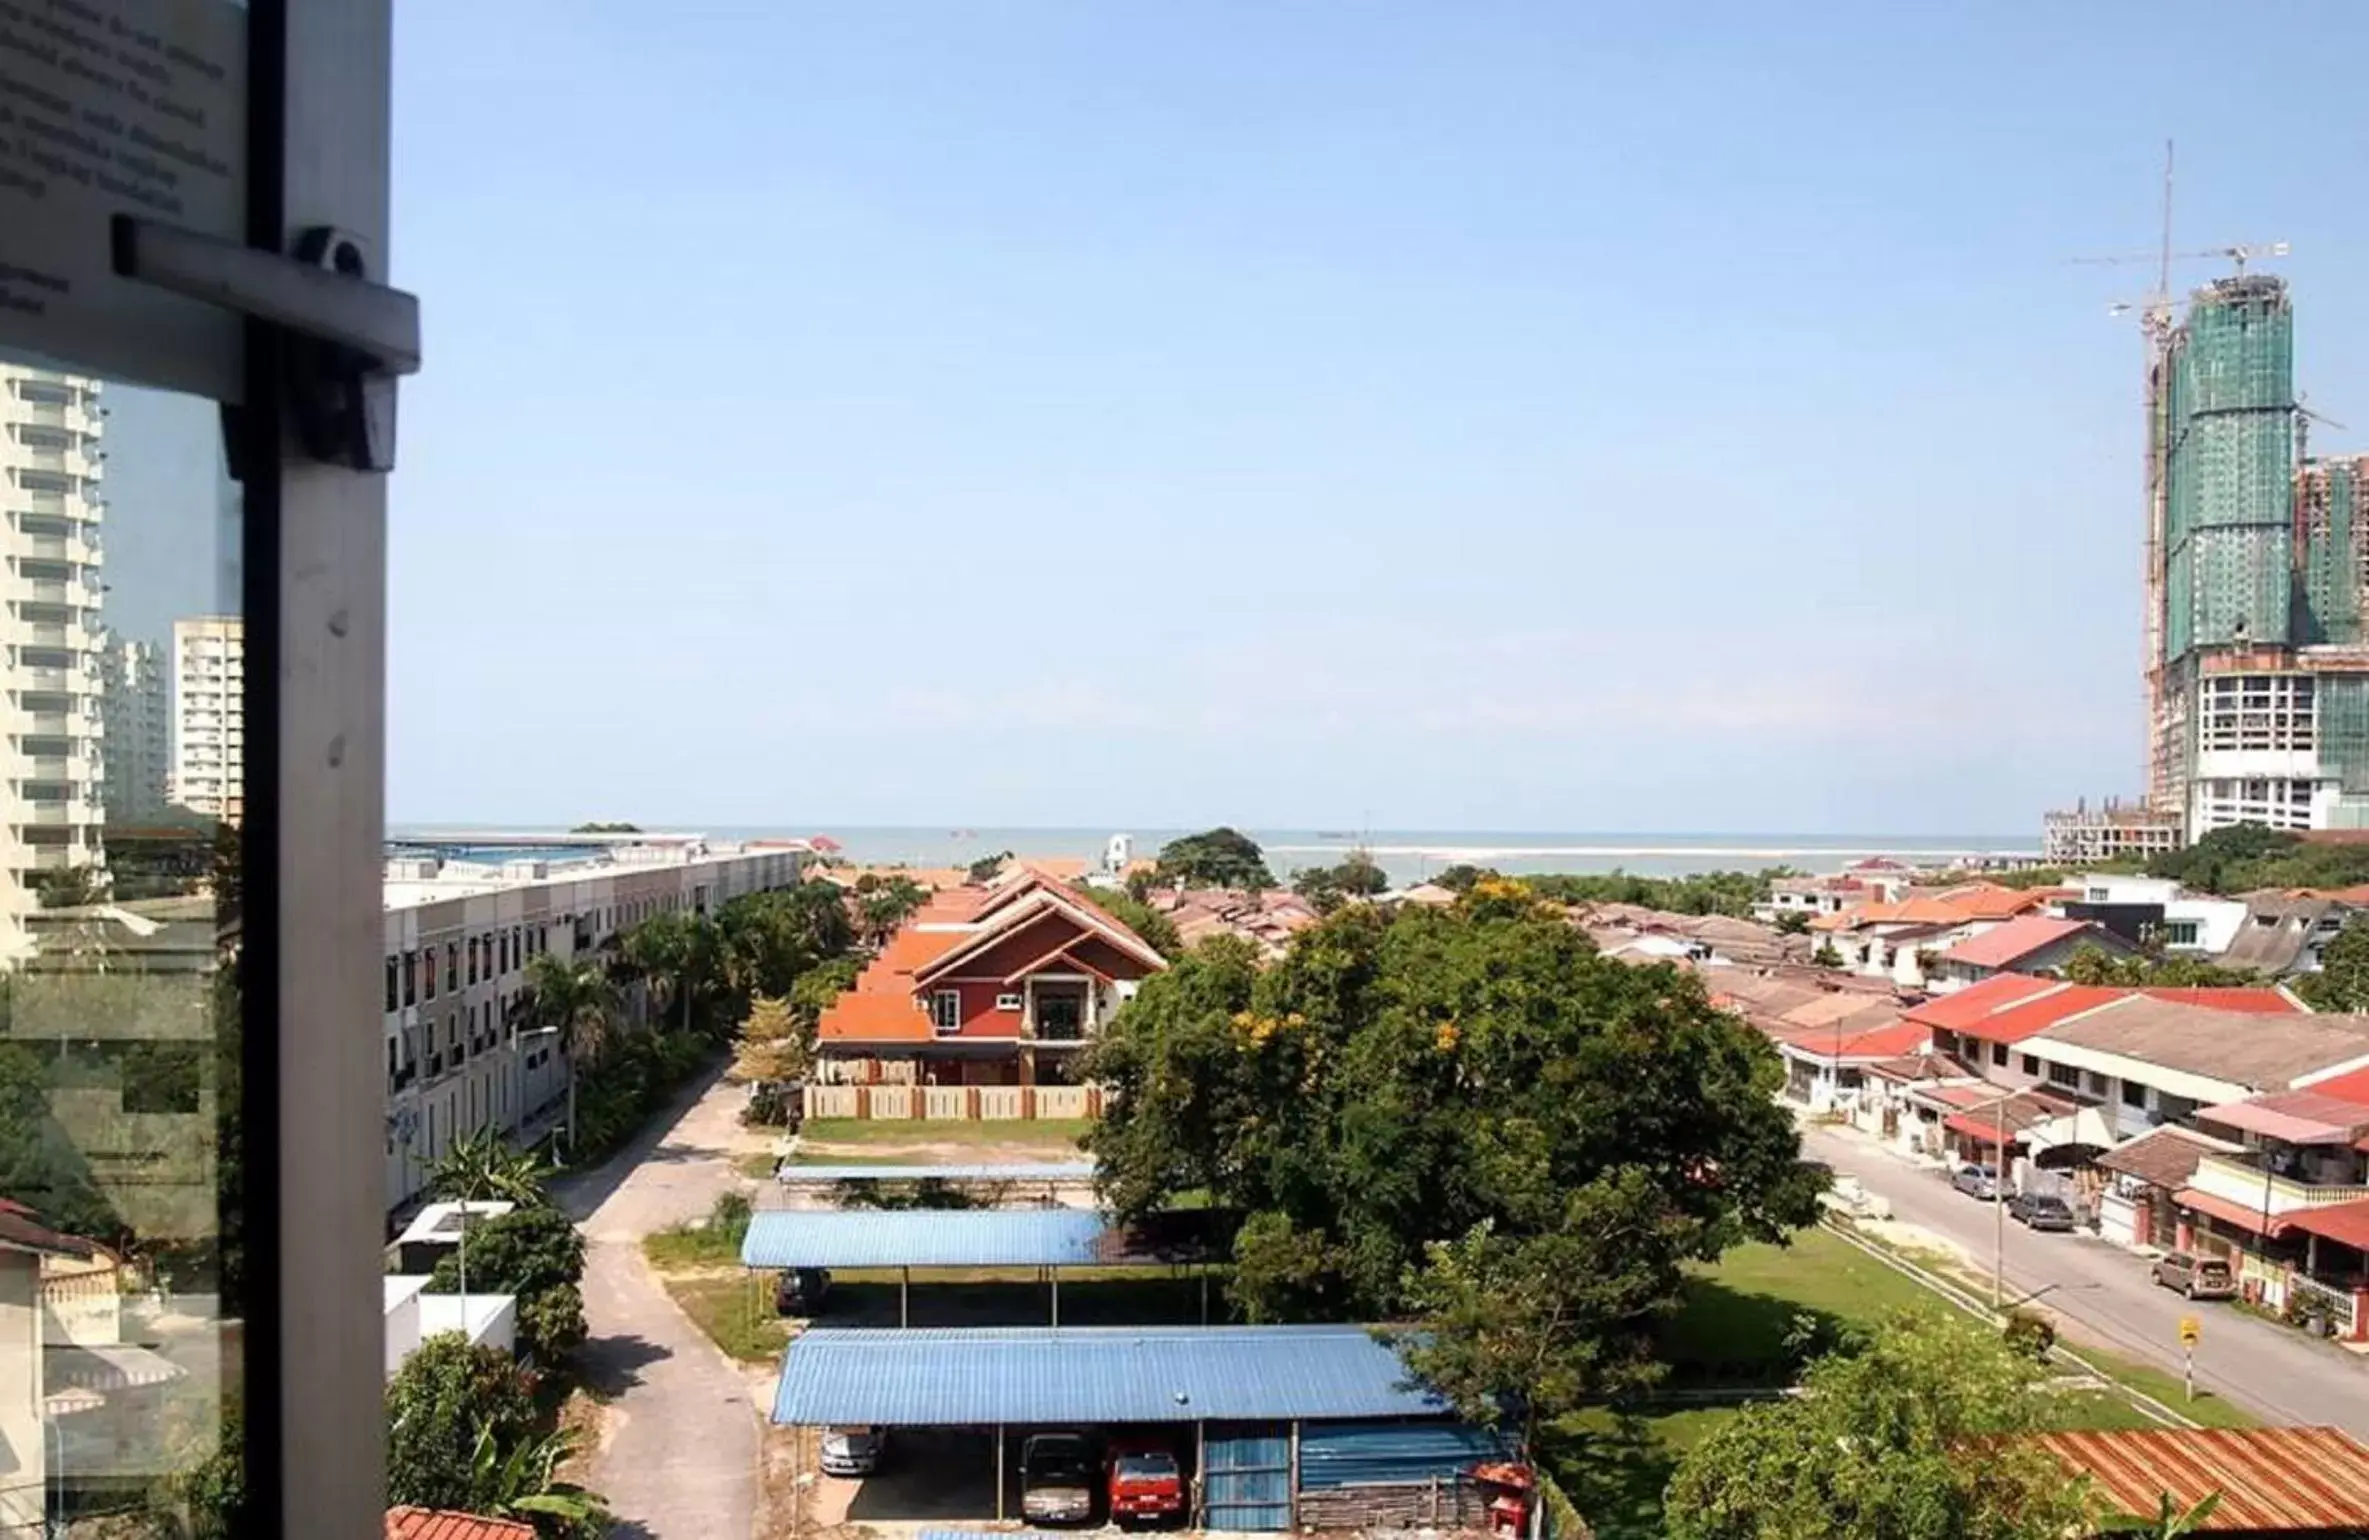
{"x": 348, "y": 339}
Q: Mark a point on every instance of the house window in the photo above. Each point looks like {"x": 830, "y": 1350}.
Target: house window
{"x": 392, "y": 970}
{"x": 473, "y": 959}
{"x": 452, "y": 965}
{"x": 2031, "y": 1064}
{"x": 2065, "y": 1075}
{"x": 2133, "y": 1094}
{"x": 1009, "y": 1000}
{"x": 2097, "y": 1083}
{"x": 411, "y": 978}
{"x": 2180, "y": 932}
{"x": 946, "y": 1011}
{"x": 1999, "y": 1054}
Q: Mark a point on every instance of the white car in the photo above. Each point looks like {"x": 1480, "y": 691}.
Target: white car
{"x": 853, "y": 1451}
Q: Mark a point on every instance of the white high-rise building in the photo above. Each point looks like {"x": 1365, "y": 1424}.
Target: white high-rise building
{"x": 209, "y": 716}
{"x": 139, "y": 731}
{"x": 51, "y": 755}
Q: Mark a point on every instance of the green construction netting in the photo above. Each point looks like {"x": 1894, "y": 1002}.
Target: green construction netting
{"x": 2344, "y": 730}
{"x": 2330, "y": 498}
{"x": 2229, "y": 476}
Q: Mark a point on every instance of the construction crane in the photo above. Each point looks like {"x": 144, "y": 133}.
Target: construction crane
{"x": 2304, "y": 418}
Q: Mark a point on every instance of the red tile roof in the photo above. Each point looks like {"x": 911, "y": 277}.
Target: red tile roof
{"x": 2016, "y": 940}
{"x": 2351, "y": 1086}
{"x": 2041, "y": 1012}
{"x": 2271, "y": 1480}
{"x": 2260, "y": 1002}
{"x": 2345, "y": 1223}
{"x": 408, "y": 1523}
{"x": 1957, "y": 1011}
{"x": 1884, "y": 1042}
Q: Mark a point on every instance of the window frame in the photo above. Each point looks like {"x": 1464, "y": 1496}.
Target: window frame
{"x": 939, "y": 1000}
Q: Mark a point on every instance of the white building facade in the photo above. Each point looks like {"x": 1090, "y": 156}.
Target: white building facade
{"x": 459, "y": 935}
{"x": 52, "y": 756}
{"x": 137, "y": 725}
{"x": 209, "y": 716}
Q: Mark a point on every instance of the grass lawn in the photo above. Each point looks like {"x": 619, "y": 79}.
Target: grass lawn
{"x": 1053, "y": 1134}
{"x": 736, "y": 1314}
{"x": 684, "y": 1245}
{"x": 759, "y": 1165}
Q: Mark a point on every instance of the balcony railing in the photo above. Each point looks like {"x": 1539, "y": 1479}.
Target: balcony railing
{"x": 2242, "y": 1182}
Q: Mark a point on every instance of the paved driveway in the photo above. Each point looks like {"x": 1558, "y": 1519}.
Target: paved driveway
{"x": 2270, "y": 1370}
{"x": 678, "y": 1457}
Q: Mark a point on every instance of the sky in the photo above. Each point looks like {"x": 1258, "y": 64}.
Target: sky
{"x": 1489, "y": 415}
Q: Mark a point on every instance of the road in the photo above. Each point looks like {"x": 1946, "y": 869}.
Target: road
{"x": 2105, "y": 1293}
{"x": 679, "y": 1441}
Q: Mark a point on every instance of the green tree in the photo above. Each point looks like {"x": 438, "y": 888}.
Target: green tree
{"x": 536, "y": 1255}
{"x": 884, "y": 903}
{"x": 985, "y": 868}
{"x": 444, "y": 1396}
{"x": 774, "y": 1044}
{"x": 598, "y": 827}
{"x": 1328, "y": 887}
{"x": 1399, "y": 1079}
{"x": 1826, "y": 956}
{"x": 69, "y": 887}
{"x": 2093, "y": 964}
{"x": 1526, "y": 1329}
{"x": 1462, "y": 877}
{"x": 1729, "y": 893}
{"x": 2169, "y": 1521}
{"x": 577, "y": 1000}
{"x": 678, "y": 955}
{"x": 818, "y": 986}
{"x": 2342, "y": 984}
{"x": 1150, "y": 926}
{"x": 1914, "y": 1436}
{"x": 1793, "y": 922}
{"x": 478, "y": 1168}
{"x": 769, "y": 940}
{"x": 1214, "y": 858}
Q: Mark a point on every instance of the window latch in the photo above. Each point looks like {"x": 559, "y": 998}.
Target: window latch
{"x": 348, "y": 338}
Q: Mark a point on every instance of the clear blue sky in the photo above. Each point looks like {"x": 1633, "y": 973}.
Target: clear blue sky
{"x": 1439, "y": 415}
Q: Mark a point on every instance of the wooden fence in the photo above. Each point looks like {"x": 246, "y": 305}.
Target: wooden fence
{"x": 953, "y": 1103}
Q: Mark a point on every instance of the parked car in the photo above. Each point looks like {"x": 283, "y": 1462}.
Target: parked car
{"x": 1976, "y": 1182}
{"x": 2195, "y": 1276}
{"x": 853, "y": 1451}
{"x": 1144, "y": 1481}
{"x": 1058, "y": 1475}
{"x": 801, "y": 1291}
{"x": 2041, "y": 1211}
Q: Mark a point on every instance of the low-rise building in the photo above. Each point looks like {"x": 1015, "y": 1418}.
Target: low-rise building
{"x": 413, "y": 1315}
{"x": 1893, "y": 939}
{"x": 2156, "y": 911}
{"x": 461, "y": 925}
{"x": 997, "y": 985}
{"x": 2030, "y": 943}
{"x": 2112, "y": 831}
{"x": 2283, "y": 932}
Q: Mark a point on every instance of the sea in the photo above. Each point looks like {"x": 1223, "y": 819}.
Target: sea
{"x": 1410, "y": 855}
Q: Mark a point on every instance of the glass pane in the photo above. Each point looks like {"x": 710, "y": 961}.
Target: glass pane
{"x": 121, "y": 773}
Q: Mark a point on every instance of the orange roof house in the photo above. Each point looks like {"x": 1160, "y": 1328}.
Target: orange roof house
{"x": 992, "y": 985}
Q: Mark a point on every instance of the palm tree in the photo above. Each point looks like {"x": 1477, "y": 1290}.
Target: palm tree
{"x": 577, "y": 1000}
{"x": 675, "y": 953}
{"x": 479, "y": 1167}
{"x": 884, "y": 907}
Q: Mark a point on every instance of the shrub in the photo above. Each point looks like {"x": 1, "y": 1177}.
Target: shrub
{"x": 2031, "y": 1334}
{"x": 446, "y": 1393}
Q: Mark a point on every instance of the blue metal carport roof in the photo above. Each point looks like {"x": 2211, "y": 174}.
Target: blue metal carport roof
{"x": 1058, "y": 1171}
{"x": 1094, "y": 1374}
{"x": 1021, "y": 1237}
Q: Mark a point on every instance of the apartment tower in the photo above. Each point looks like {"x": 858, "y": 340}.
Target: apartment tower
{"x": 138, "y": 728}
{"x": 52, "y": 755}
{"x": 209, "y": 716}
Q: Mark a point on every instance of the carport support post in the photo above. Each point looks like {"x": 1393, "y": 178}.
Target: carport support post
{"x": 1056, "y": 1274}
{"x": 999, "y": 1473}
{"x": 904, "y": 1296}
{"x": 1292, "y": 1497}
{"x": 1200, "y": 1473}
{"x": 1204, "y": 1270}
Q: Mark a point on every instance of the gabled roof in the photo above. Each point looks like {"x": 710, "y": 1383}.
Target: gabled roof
{"x": 2264, "y": 1052}
{"x": 2163, "y": 1157}
{"x": 408, "y": 1523}
{"x": 1886, "y": 1041}
{"x": 1967, "y": 1007}
{"x": 1964, "y": 905}
{"x": 2026, "y": 936}
{"x": 1008, "y": 920}
{"x": 2042, "y": 1011}
{"x": 2270, "y": 1480}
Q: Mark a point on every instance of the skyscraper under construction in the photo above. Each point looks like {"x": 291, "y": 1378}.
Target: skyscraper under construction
{"x": 2258, "y": 673}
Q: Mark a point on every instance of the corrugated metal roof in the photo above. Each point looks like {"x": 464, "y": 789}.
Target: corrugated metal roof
{"x": 2271, "y": 1480}
{"x": 1044, "y": 1237}
{"x": 1093, "y": 1374}
{"x": 1340, "y": 1454}
{"x": 1060, "y": 1171}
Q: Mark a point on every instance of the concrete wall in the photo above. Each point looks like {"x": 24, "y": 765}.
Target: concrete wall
{"x": 22, "y": 1451}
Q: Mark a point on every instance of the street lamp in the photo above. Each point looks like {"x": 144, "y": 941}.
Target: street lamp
{"x": 1998, "y": 1192}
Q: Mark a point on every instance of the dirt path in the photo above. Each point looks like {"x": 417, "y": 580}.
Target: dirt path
{"x": 679, "y": 1429}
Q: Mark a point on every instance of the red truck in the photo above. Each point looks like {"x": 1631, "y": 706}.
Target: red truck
{"x": 1145, "y": 1481}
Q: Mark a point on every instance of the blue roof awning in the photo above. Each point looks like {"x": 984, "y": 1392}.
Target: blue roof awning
{"x": 1067, "y": 1171}
{"x": 973, "y": 1378}
{"x": 1036, "y": 1237}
